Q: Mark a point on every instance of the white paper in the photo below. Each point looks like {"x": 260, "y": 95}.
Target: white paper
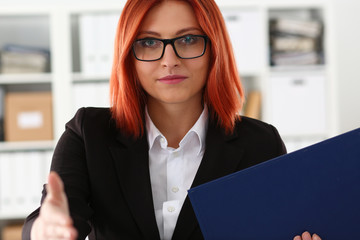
{"x": 30, "y": 120}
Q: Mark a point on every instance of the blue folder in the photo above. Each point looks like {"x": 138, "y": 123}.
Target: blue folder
{"x": 316, "y": 189}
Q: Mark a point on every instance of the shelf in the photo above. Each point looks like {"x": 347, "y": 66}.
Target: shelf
{"x": 56, "y": 26}
{"x": 25, "y": 78}
{"x": 26, "y": 146}
{"x": 79, "y": 78}
{"x": 303, "y": 68}
{"x": 13, "y": 216}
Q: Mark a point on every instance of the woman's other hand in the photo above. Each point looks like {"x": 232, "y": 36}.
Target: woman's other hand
{"x": 54, "y": 221}
{"x": 307, "y": 236}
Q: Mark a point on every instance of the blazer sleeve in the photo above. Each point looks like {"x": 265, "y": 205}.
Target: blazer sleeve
{"x": 281, "y": 148}
{"x": 69, "y": 161}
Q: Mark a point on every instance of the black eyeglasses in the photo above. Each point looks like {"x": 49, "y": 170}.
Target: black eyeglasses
{"x": 185, "y": 47}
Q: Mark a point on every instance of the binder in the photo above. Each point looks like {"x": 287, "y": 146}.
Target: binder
{"x": 245, "y": 29}
{"x": 87, "y": 38}
{"x": 299, "y": 100}
{"x": 315, "y": 189}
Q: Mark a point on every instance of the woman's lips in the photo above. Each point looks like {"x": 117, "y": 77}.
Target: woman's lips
{"x": 172, "y": 79}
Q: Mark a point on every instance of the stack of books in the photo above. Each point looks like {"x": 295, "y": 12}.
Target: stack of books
{"x": 296, "y": 42}
{"x": 24, "y": 59}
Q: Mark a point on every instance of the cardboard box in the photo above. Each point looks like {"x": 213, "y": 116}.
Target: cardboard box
{"x": 28, "y": 116}
{"x": 12, "y": 232}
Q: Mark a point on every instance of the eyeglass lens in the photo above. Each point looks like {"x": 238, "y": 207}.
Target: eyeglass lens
{"x": 186, "y": 47}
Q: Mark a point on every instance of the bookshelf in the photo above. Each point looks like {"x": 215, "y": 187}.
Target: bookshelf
{"x": 292, "y": 65}
{"x": 59, "y": 27}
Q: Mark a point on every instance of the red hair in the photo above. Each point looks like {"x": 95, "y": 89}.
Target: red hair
{"x": 223, "y": 93}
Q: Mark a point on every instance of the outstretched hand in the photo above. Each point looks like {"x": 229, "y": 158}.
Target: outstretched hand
{"x": 54, "y": 221}
{"x": 307, "y": 236}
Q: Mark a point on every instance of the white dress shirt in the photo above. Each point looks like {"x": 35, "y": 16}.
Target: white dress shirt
{"x": 172, "y": 171}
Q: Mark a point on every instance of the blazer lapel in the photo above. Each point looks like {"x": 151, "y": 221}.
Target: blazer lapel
{"x": 131, "y": 161}
{"x": 222, "y": 157}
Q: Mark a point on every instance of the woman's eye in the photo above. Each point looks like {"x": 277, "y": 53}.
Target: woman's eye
{"x": 149, "y": 43}
{"x": 189, "y": 40}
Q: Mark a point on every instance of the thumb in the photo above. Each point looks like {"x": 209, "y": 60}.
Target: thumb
{"x": 55, "y": 206}
{"x": 55, "y": 191}
{"x": 55, "y": 186}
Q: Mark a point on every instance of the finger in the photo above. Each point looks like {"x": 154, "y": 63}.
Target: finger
{"x": 297, "y": 238}
{"x": 60, "y": 232}
{"x": 55, "y": 215}
{"x": 315, "y": 237}
{"x": 45, "y": 230}
{"x": 55, "y": 207}
{"x": 55, "y": 186}
{"x": 306, "y": 236}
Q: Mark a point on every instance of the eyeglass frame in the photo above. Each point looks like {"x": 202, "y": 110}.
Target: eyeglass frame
{"x": 171, "y": 42}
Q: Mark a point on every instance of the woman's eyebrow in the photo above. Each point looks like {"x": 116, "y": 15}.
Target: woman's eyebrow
{"x": 150, "y": 33}
{"x": 184, "y": 30}
{"x": 187, "y": 30}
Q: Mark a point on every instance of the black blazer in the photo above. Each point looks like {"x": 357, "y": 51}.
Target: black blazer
{"x": 107, "y": 180}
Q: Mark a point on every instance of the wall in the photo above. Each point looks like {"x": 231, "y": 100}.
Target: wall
{"x": 347, "y": 27}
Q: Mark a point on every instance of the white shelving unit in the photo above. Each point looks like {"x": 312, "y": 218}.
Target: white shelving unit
{"x": 56, "y": 26}
{"x": 300, "y": 100}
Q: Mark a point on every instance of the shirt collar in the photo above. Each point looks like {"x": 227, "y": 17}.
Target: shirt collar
{"x": 152, "y": 131}
{"x": 199, "y": 128}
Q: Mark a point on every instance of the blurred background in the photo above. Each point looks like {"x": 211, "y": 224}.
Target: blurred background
{"x": 298, "y": 61}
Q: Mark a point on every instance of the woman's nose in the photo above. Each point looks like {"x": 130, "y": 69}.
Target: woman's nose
{"x": 170, "y": 59}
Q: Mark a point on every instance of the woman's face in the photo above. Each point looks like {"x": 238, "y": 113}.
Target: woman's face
{"x": 172, "y": 80}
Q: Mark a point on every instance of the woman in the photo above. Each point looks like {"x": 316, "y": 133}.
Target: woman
{"x": 173, "y": 124}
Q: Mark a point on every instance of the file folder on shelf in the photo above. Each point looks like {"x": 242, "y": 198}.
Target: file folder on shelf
{"x": 315, "y": 189}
